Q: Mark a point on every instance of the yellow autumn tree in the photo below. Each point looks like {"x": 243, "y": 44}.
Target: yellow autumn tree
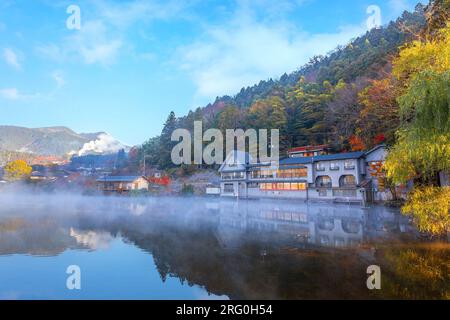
{"x": 422, "y": 150}
{"x": 432, "y": 55}
{"x": 429, "y": 207}
{"x": 17, "y": 170}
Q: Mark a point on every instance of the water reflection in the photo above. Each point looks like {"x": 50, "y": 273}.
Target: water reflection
{"x": 241, "y": 250}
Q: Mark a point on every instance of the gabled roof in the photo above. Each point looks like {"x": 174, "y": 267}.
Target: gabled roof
{"x": 328, "y": 157}
{"x": 239, "y": 158}
{"x": 375, "y": 148}
{"x": 119, "y": 178}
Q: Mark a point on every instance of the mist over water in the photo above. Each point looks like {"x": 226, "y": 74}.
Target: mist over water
{"x": 198, "y": 248}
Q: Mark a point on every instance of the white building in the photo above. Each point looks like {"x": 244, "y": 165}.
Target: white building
{"x": 338, "y": 177}
{"x": 121, "y": 184}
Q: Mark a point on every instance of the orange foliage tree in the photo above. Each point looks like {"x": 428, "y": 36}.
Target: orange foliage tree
{"x": 380, "y": 112}
{"x": 356, "y": 143}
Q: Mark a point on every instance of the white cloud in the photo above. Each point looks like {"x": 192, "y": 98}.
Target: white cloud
{"x": 94, "y": 44}
{"x": 11, "y": 58}
{"x": 101, "y": 40}
{"x": 246, "y": 50}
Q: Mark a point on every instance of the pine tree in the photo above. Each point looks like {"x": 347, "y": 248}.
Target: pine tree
{"x": 166, "y": 144}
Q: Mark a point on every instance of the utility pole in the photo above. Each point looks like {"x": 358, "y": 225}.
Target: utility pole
{"x": 145, "y": 167}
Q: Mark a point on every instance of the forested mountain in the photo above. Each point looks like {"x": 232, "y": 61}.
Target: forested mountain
{"x": 347, "y": 99}
{"x": 54, "y": 141}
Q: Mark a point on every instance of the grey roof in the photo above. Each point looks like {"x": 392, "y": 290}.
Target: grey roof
{"x": 294, "y": 161}
{"x": 118, "y": 178}
{"x": 234, "y": 169}
{"x": 375, "y": 148}
{"x": 327, "y": 157}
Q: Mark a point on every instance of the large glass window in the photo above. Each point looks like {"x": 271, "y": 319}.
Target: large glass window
{"x": 323, "y": 182}
{"x": 301, "y": 186}
{"x": 292, "y": 173}
{"x": 263, "y": 174}
{"x": 347, "y": 181}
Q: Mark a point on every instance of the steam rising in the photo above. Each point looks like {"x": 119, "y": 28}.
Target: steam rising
{"x": 104, "y": 144}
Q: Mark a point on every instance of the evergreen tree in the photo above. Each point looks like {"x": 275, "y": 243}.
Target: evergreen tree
{"x": 166, "y": 145}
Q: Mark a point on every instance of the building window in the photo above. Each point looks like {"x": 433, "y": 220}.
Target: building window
{"x": 301, "y": 186}
{"x": 347, "y": 181}
{"x": 320, "y": 166}
{"x": 323, "y": 182}
{"x": 263, "y": 174}
{"x": 280, "y": 173}
{"x": 228, "y": 188}
{"x": 334, "y": 166}
{"x": 349, "y": 164}
{"x": 238, "y": 175}
{"x": 232, "y": 175}
{"x": 292, "y": 173}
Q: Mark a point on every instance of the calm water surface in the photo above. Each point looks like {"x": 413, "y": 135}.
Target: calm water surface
{"x": 173, "y": 248}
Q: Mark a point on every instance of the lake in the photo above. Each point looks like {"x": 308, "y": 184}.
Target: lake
{"x": 207, "y": 248}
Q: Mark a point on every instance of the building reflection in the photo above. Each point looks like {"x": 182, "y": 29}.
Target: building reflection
{"x": 244, "y": 250}
{"x": 314, "y": 225}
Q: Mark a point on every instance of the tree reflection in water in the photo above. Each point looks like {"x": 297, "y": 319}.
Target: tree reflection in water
{"x": 244, "y": 250}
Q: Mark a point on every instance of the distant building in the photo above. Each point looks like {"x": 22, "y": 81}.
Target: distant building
{"x": 308, "y": 151}
{"x": 121, "y": 184}
{"x": 49, "y": 160}
{"x": 337, "y": 177}
{"x": 39, "y": 176}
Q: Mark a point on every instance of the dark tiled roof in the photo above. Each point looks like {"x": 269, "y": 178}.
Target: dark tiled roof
{"x": 328, "y": 157}
{"x": 293, "y": 161}
{"x": 118, "y": 179}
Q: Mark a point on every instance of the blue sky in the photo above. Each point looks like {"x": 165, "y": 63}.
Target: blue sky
{"x": 133, "y": 61}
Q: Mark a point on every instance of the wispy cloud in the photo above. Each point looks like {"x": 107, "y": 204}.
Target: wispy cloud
{"x": 13, "y": 94}
{"x": 93, "y": 44}
{"x": 103, "y": 38}
{"x": 11, "y": 58}
{"x": 246, "y": 50}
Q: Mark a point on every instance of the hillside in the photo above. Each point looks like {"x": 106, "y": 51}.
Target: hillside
{"x": 363, "y": 56}
{"x": 55, "y": 141}
{"x": 328, "y": 100}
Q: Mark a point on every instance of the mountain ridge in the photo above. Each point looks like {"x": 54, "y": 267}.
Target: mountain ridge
{"x": 55, "y": 141}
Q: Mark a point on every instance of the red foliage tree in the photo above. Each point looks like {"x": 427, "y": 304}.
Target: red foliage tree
{"x": 356, "y": 143}
{"x": 380, "y": 138}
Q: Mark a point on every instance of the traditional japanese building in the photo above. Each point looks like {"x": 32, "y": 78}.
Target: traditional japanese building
{"x": 122, "y": 184}
{"x": 345, "y": 177}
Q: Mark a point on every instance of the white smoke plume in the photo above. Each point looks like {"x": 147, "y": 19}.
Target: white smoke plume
{"x": 104, "y": 144}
